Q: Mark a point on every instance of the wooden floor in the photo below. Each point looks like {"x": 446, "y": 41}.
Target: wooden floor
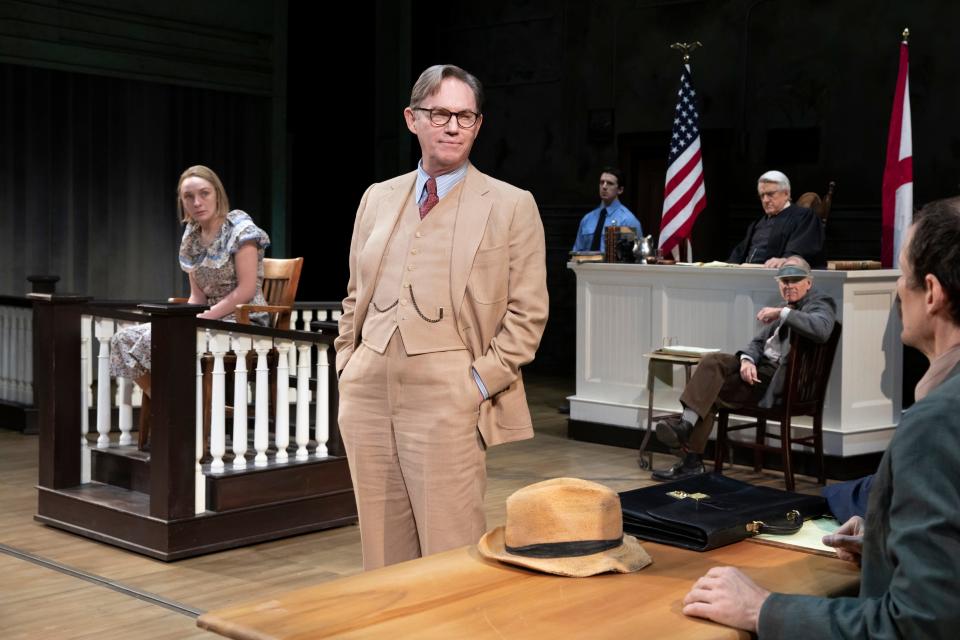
{"x": 57, "y": 585}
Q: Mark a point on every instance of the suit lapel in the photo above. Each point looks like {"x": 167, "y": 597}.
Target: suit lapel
{"x": 388, "y": 210}
{"x": 472, "y": 215}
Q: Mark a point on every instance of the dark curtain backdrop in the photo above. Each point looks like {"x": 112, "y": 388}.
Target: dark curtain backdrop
{"x": 88, "y": 173}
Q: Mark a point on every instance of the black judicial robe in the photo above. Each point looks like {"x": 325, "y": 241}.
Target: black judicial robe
{"x": 796, "y": 231}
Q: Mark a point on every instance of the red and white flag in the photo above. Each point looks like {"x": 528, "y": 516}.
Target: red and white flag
{"x": 684, "y": 195}
{"x": 898, "y": 171}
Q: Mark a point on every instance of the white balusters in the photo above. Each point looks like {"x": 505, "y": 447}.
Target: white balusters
{"x": 219, "y": 343}
{"x": 28, "y": 358}
{"x": 281, "y": 424}
{"x": 6, "y": 352}
{"x": 89, "y": 360}
{"x": 292, "y": 363}
{"x": 303, "y": 400}
{"x": 260, "y": 426}
{"x": 103, "y": 331}
{"x": 241, "y": 345}
{"x": 22, "y": 356}
{"x": 294, "y": 319}
{"x": 335, "y": 316}
{"x": 16, "y": 354}
{"x": 125, "y": 406}
{"x": 125, "y": 400}
{"x": 85, "y": 353}
{"x": 200, "y": 482}
{"x": 323, "y": 401}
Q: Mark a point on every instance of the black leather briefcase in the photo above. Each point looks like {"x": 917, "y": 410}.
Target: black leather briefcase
{"x": 710, "y": 510}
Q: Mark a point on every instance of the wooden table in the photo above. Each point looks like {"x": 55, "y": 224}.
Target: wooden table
{"x": 459, "y": 594}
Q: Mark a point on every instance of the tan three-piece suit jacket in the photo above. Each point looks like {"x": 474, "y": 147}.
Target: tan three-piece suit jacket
{"x": 497, "y": 286}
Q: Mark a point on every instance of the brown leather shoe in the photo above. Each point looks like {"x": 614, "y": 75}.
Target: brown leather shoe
{"x": 674, "y": 432}
{"x": 679, "y": 471}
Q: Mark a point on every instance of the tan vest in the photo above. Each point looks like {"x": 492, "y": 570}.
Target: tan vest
{"x": 414, "y": 282}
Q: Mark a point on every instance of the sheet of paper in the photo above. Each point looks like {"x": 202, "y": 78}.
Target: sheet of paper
{"x": 688, "y": 351}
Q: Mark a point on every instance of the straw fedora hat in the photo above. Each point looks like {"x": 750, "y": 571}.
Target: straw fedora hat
{"x": 565, "y": 526}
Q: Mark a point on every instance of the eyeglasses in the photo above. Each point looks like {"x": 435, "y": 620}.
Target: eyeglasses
{"x": 440, "y": 117}
{"x": 768, "y": 194}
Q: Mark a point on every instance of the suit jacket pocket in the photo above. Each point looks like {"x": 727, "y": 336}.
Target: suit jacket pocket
{"x": 511, "y": 408}
{"x": 489, "y": 278}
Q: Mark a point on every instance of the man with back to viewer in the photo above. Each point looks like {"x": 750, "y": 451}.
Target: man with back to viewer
{"x": 909, "y": 545}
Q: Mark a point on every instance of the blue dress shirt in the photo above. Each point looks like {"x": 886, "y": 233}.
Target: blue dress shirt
{"x": 617, "y": 216}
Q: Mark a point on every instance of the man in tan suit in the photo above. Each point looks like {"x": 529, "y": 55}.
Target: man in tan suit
{"x": 447, "y": 299}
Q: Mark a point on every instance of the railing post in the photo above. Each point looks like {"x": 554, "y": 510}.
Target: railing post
{"x": 173, "y": 347}
{"x": 56, "y": 348}
{"x": 281, "y": 424}
{"x": 260, "y": 426}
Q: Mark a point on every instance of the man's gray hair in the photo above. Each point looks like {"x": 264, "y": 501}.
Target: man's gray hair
{"x": 775, "y": 177}
{"x": 429, "y": 83}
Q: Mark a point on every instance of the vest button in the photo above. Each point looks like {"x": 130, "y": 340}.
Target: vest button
{"x": 415, "y": 251}
{"x": 418, "y": 234}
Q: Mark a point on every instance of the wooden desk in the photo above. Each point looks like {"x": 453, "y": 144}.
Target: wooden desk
{"x": 624, "y": 310}
{"x": 459, "y": 594}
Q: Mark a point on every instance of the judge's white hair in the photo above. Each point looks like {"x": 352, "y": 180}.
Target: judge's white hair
{"x": 777, "y": 178}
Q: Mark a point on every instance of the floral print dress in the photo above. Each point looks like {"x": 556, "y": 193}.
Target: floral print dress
{"x": 214, "y": 271}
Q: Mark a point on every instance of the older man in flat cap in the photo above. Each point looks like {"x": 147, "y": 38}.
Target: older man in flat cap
{"x": 752, "y": 375}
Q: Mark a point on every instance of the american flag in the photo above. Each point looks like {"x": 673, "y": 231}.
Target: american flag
{"x": 685, "y": 195}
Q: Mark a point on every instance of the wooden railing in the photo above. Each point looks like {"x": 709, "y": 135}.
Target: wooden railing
{"x": 16, "y": 350}
{"x": 73, "y": 374}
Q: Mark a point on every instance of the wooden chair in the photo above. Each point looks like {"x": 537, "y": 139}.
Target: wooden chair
{"x": 820, "y": 206}
{"x": 808, "y": 372}
{"x": 281, "y": 277}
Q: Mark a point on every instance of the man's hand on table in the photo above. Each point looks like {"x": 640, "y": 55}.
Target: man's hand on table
{"x": 726, "y": 595}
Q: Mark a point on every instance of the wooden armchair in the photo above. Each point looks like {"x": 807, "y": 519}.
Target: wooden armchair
{"x": 281, "y": 277}
{"x": 804, "y": 391}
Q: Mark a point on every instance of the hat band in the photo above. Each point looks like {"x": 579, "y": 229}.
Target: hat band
{"x": 564, "y": 549}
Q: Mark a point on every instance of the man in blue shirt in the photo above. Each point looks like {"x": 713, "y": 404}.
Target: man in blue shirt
{"x": 610, "y": 213}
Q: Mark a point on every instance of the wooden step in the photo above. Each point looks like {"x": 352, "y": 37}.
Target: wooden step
{"x": 121, "y": 466}
{"x": 247, "y": 513}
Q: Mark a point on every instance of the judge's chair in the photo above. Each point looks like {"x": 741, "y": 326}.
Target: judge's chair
{"x": 804, "y": 391}
{"x": 820, "y": 206}
{"x": 281, "y": 277}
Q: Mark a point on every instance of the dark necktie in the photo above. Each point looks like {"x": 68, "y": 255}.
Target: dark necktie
{"x": 431, "y": 199}
{"x": 598, "y": 231}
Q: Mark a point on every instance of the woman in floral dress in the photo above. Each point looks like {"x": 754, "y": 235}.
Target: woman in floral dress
{"x": 222, "y": 254}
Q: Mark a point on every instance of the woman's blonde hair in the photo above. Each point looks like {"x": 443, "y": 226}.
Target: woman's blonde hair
{"x": 200, "y": 171}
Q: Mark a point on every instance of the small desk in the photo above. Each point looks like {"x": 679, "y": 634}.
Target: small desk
{"x": 459, "y": 594}
{"x": 687, "y": 362}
